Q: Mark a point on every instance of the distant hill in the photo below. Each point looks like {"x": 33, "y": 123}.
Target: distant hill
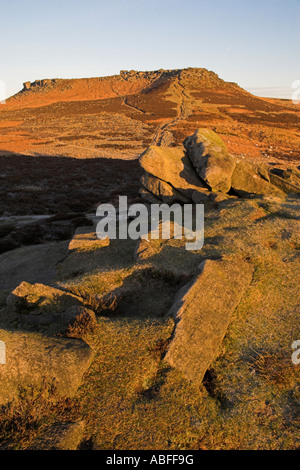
{"x": 127, "y": 83}
{"x": 119, "y": 116}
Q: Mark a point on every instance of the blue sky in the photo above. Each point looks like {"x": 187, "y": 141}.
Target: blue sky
{"x": 255, "y": 43}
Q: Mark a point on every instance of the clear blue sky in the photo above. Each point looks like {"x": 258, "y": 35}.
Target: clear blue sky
{"x": 255, "y": 43}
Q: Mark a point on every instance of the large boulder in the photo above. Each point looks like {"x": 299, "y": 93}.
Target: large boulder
{"x": 247, "y": 180}
{"x": 202, "y": 311}
{"x": 173, "y": 166}
{"x": 33, "y": 359}
{"x": 211, "y": 159}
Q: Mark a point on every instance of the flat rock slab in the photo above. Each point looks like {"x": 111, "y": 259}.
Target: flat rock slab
{"x": 38, "y": 298}
{"x": 85, "y": 239}
{"x": 33, "y": 359}
{"x": 203, "y": 311}
{"x": 41, "y": 305}
{"x": 35, "y": 263}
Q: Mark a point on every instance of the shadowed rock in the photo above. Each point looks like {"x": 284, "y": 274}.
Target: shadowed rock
{"x": 203, "y": 311}
{"x": 35, "y": 263}
{"x": 161, "y": 189}
{"x": 286, "y": 180}
{"x": 33, "y": 359}
{"x": 148, "y": 196}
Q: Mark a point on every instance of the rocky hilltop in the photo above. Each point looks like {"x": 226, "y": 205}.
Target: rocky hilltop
{"x": 126, "y": 83}
{"x": 120, "y": 116}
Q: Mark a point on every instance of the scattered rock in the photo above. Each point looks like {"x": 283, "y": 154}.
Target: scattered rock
{"x": 33, "y": 359}
{"x": 211, "y": 159}
{"x": 203, "y": 311}
{"x": 27, "y": 86}
{"x": 264, "y": 171}
{"x": 36, "y": 298}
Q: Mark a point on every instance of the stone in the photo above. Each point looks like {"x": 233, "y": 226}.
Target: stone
{"x": 27, "y": 86}
{"x": 211, "y": 159}
{"x": 202, "y": 311}
{"x": 35, "y": 263}
{"x": 174, "y": 167}
{"x": 162, "y": 190}
{"x": 263, "y": 170}
{"x": 39, "y": 304}
{"x": 246, "y": 181}
{"x": 203, "y": 198}
{"x": 36, "y": 298}
{"x": 286, "y": 180}
{"x": 146, "y": 248}
{"x": 33, "y": 359}
{"x": 149, "y": 197}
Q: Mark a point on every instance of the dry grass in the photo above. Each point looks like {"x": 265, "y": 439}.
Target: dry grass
{"x": 36, "y": 410}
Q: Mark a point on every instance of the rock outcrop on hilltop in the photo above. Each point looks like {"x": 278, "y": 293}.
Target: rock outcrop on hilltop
{"x": 46, "y": 82}
{"x": 203, "y": 168}
{"x": 122, "y": 115}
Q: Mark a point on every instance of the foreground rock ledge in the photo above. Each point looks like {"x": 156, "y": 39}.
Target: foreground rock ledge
{"x": 203, "y": 311}
{"x": 33, "y": 359}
